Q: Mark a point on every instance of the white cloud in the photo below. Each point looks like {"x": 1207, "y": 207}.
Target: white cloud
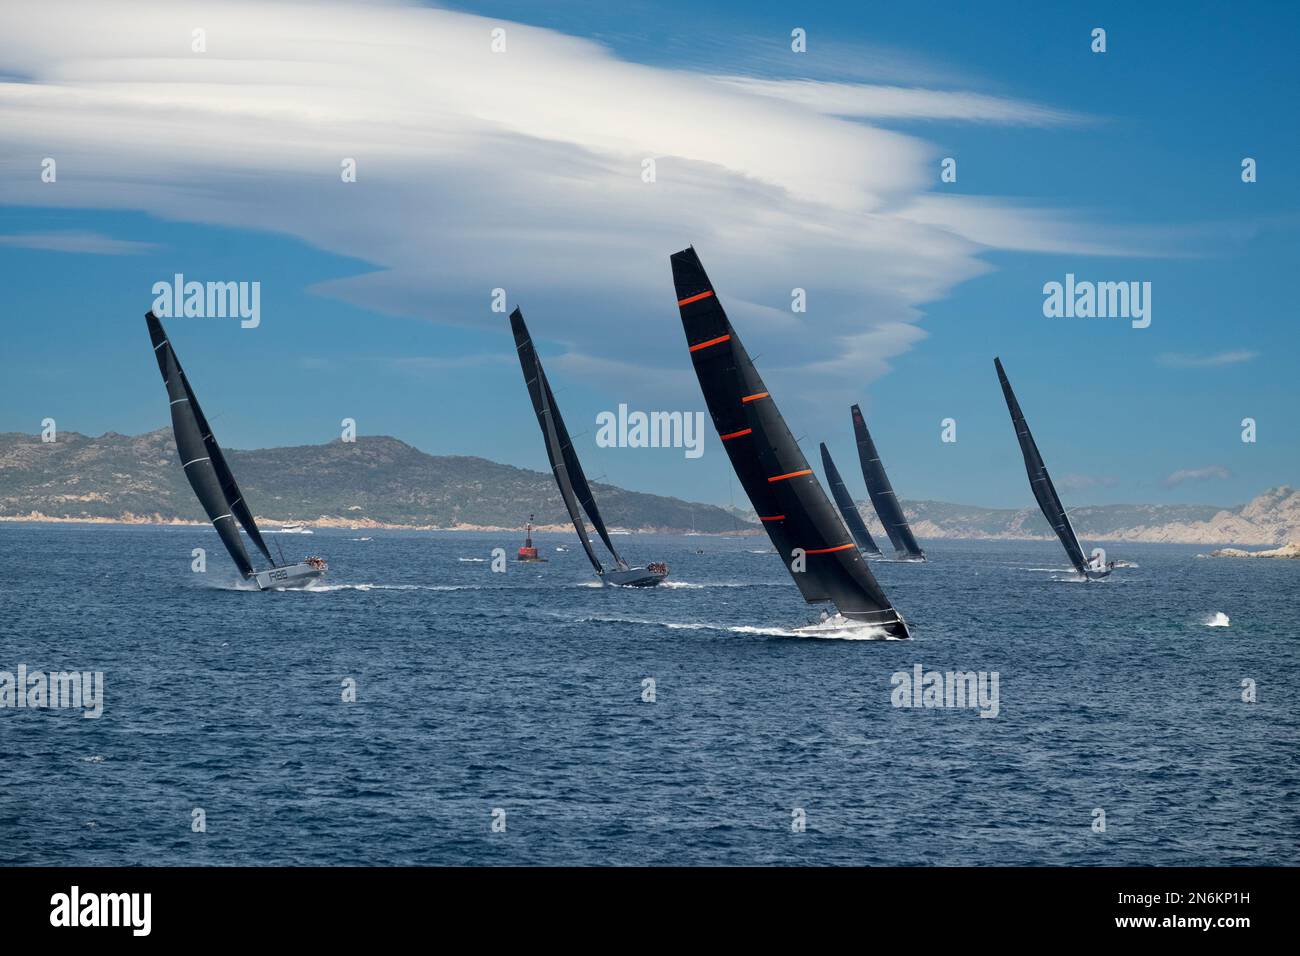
{"x": 89, "y": 243}
{"x": 898, "y": 102}
{"x": 519, "y": 170}
{"x": 1182, "y": 360}
{"x": 1209, "y": 473}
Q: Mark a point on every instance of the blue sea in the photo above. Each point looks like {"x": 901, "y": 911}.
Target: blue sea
{"x": 517, "y": 698}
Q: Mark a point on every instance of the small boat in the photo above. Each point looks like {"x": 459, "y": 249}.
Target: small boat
{"x": 1040, "y": 483}
{"x": 295, "y": 529}
{"x": 528, "y": 553}
{"x": 569, "y": 476}
{"x": 814, "y": 543}
{"x": 882, "y": 494}
{"x": 213, "y": 482}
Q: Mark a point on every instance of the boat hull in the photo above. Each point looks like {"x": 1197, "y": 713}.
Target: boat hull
{"x": 891, "y": 622}
{"x": 291, "y": 576}
{"x": 632, "y": 578}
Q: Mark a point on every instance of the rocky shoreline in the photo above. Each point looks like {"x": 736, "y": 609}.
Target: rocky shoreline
{"x": 1286, "y": 551}
{"x": 346, "y": 524}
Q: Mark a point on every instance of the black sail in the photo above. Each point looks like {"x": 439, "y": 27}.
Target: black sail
{"x": 784, "y": 491}
{"x": 844, "y": 501}
{"x": 569, "y": 476}
{"x": 1039, "y": 481}
{"x": 881, "y": 491}
{"x": 239, "y": 508}
{"x": 189, "y": 429}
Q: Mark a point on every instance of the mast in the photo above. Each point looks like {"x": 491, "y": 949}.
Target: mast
{"x": 795, "y": 512}
{"x": 881, "y": 491}
{"x": 189, "y": 429}
{"x": 559, "y": 449}
{"x": 561, "y": 471}
{"x": 844, "y": 501}
{"x": 1039, "y": 481}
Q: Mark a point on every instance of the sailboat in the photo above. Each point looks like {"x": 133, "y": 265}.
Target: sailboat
{"x": 568, "y": 472}
{"x": 213, "y": 483}
{"x": 813, "y": 542}
{"x": 882, "y": 494}
{"x": 1044, "y": 491}
{"x": 844, "y": 501}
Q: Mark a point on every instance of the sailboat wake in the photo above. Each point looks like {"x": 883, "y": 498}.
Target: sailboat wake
{"x": 836, "y": 628}
{"x": 318, "y": 588}
{"x": 840, "y": 628}
{"x": 329, "y": 588}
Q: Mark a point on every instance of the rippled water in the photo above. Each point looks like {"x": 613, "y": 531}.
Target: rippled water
{"x": 523, "y": 691}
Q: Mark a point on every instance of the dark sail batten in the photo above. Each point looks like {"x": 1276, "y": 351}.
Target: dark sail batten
{"x": 881, "y": 491}
{"x": 193, "y": 452}
{"x": 772, "y": 469}
{"x": 849, "y": 511}
{"x": 1040, "y": 483}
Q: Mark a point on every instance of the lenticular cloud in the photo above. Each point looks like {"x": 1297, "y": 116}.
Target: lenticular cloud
{"x": 552, "y": 168}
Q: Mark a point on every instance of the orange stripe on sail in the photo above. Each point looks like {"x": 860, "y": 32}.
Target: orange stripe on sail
{"x": 695, "y": 298}
{"x": 705, "y": 345}
{"x": 793, "y": 474}
{"x": 739, "y": 434}
{"x": 772, "y": 518}
{"x": 842, "y": 547}
{"x": 753, "y": 398}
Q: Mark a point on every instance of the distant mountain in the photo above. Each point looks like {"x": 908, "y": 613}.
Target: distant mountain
{"x": 375, "y": 480}
{"x": 1271, "y": 518}
{"x": 383, "y": 481}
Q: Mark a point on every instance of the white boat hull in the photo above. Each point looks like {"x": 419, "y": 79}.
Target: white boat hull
{"x": 632, "y": 578}
{"x": 290, "y": 576}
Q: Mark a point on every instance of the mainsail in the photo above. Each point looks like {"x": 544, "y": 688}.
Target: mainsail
{"x": 881, "y": 491}
{"x": 844, "y": 501}
{"x": 810, "y": 537}
{"x": 559, "y": 448}
{"x": 1039, "y": 481}
{"x": 204, "y": 464}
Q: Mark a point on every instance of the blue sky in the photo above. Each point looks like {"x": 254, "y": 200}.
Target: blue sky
{"x": 1116, "y": 166}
